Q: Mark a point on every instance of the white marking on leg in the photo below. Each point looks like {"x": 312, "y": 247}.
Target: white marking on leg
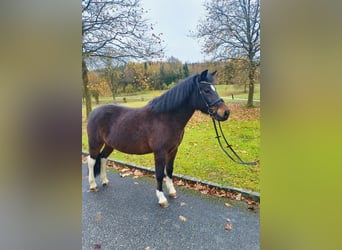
{"x": 161, "y": 198}
{"x": 103, "y": 174}
{"x": 171, "y": 189}
{"x": 91, "y": 178}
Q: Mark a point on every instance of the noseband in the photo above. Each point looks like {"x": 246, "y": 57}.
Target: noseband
{"x": 209, "y": 105}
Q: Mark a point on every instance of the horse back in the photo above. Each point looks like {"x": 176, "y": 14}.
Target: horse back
{"x": 104, "y": 117}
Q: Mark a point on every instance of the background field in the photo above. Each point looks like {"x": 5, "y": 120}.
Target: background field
{"x": 199, "y": 154}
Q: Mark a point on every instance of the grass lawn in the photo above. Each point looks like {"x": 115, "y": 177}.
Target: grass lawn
{"x": 238, "y": 92}
{"x": 199, "y": 155}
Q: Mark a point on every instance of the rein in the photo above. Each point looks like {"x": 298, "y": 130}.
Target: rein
{"x": 220, "y": 134}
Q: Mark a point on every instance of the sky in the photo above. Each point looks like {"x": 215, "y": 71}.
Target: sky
{"x": 175, "y": 19}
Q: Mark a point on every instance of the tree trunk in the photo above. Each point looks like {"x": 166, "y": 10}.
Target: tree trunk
{"x": 251, "y": 75}
{"x": 97, "y": 97}
{"x": 112, "y": 87}
{"x": 85, "y": 88}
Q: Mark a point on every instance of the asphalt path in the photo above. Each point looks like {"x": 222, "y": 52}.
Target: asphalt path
{"x": 126, "y": 215}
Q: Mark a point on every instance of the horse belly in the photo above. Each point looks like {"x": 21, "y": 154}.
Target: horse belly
{"x": 130, "y": 131}
{"x": 130, "y": 144}
{"x": 134, "y": 149}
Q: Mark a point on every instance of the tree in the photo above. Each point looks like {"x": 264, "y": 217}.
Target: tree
{"x": 231, "y": 29}
{"x": 93, "y": 80}
{"x": 186, "y": 70}
{"x": 115, "y": 30}
{"x": 114, "y": 75}
{"x": 98, "y": 85}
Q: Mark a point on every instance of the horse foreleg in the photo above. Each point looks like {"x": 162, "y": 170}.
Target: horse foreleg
{"x": 160, "y": 165}
{"x": 168, "y": 180}
{"x": 91, "y": 178}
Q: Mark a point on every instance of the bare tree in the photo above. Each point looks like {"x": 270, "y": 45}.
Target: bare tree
{"x": 231, "y": 29}
{"x": 115, "y": 30}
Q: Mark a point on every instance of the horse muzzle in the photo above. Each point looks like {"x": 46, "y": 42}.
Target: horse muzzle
{"x": 221, "y": 112}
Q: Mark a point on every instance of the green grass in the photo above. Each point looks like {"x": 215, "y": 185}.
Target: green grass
{"x": 237, "y": 91}
{"x": 199, "y": 155}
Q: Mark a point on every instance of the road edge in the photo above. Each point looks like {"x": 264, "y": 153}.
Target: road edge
{"x": 255, "y": 196}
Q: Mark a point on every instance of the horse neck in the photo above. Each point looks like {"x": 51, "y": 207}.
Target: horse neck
{"x": 183, "y": 114}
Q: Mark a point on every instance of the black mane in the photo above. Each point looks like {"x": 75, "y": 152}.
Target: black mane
{"x": 175, "y": 96}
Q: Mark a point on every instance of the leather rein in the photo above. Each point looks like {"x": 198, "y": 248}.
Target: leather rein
{"x": 220, "y": 134}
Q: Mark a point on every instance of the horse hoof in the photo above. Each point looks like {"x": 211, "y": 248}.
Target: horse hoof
{"x": 95, "y": 189}
{"x": 173, "y": 195}
{"x": 164, "y": 204}
{"x": 105, "y": 184}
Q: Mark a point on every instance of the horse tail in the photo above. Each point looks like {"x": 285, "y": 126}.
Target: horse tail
{"x": 97, "y": 167}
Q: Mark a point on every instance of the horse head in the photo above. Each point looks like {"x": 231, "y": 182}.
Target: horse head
{"x": 210, "y": 102}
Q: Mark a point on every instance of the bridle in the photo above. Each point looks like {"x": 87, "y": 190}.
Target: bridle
{"x": 219, "y": 133}
{"x": 208, "y": 104}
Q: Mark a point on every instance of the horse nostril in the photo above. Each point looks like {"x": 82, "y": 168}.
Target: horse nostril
{"x": 226, "y": 114}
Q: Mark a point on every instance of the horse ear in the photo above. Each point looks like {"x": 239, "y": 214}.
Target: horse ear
{"x": 204, "y": 74}
{"x": 214, "y": 73}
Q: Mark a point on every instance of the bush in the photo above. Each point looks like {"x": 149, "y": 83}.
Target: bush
{"x": 129, "y": 88}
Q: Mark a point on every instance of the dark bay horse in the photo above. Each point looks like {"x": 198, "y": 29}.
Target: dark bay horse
{"x": 156, "y": 128}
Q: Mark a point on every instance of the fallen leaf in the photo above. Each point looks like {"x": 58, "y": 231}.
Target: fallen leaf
{"x": 204, "y": 191}
{"x": 115, "y": 166}
{"x": 227, "y": 204}
{"x": 251, "y": 207}
{"x": 98, "y": 217}
{"x": 111, "y": 164}
{"x": 136, "y": 183}
{"x": 138, "y": 173}
{"x": 97, "y": 246}
{"x": 180, "y": 183}
{"x": 228, "y": 226}
{"x": 123, "y": 170}
{"x": 238, "y": 197}
{"x": 84, "y": 159}
{"x": 182, "y": 204}
{"x": 125, "y": 174}
{"x": 147, "y": 248}
{"x": 182, "y": 218}
{"x": 221, "y": 193}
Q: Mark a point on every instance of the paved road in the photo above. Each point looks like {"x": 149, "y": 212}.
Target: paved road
{"x": 126, "y": 215}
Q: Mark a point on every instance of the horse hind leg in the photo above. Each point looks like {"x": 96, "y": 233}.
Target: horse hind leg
{"x": 103, "y": 174}
{"x": 91, "y": 177}
{"x": 95, "y": 146}
{"x": 104, "y": 158}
